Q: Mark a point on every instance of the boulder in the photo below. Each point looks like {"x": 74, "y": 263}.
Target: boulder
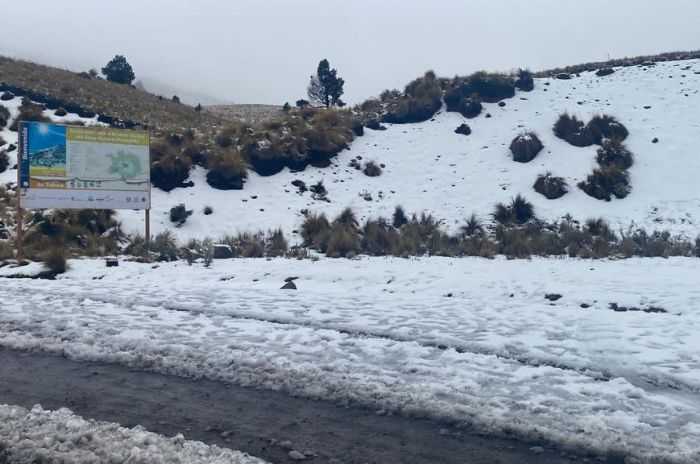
{"x": 604, "y": 72}
{"x": 221, "y": 251}
{"x": 289, "y": 286}
{"x": 563, "y": 76}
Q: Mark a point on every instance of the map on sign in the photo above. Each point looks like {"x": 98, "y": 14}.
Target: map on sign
{"x": 84, "y": 167}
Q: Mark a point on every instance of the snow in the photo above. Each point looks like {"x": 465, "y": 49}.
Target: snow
{"x": 467, "y": 340}
{"x": 38, "y": 435}
{"x": 430, "y": 168}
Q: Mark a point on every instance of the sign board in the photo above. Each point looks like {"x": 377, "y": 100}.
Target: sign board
{"x": 83, "y": 167}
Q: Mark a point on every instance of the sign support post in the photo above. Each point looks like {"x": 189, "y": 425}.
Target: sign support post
{"x": 20, "y": 214}
{"x": 148, "y": 229}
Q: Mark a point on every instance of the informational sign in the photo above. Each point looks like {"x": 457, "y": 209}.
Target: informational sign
{"x": 79, "y": 167}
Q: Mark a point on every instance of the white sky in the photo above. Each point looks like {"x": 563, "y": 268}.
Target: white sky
{"x": 263, "y": 51}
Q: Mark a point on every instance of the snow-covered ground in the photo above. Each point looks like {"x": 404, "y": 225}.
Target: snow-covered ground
{"x": 430, "y": 168}
{"x": 37, "y": 435}
{"x": 469, "y": 340}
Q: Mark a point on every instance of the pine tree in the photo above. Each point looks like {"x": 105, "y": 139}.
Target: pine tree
{"x": 119, "y": 70}
{"x": 325, "y": 88}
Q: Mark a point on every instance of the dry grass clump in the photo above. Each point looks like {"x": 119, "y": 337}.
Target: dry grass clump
{"x": 550, "y": 186}
{"x": 227, "y": 169}
{"x": 598, "y": 129}
{"x": 614, "y": 153}
{"x": 420, "y": 100}
{"x": 518, "y": 211}
{"x": 525, "y": 147}
{"x": 372, "y": 169}
{"x": 607, "y": 181}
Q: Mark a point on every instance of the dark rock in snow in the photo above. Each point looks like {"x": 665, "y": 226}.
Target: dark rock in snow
{"x": 464, "y": 129}
{"x": 60, "y": 112}
{"x": 289, "y": 286}
{"x": 11, "y": 147}
{"x": 7, "y": 96}
{"x": 289, "y": 279}
{"x": 655, "y": 140}
{"x": 374, "y": 125}
{"x": 552, "y": 296}
{"x": 563, "y": 76}
{"x": 502, "y": 104}
{"x": 221, "y": 251}
{"x": 604, "y": 72}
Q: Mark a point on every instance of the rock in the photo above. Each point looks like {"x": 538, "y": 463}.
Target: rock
{"x": 112, "y": 262}
{"x": 289, "y": 279}
{"x": 585, "y": 305}
{"x": 286, "y": 445}
{"x": 11, "y": 147}
{"x": 501, "y": 104}
{"x": 300, "y": 184}
{"x": 60, "y": 112}
{"x": 226, "y": 434}
{"x": 552, "y": 296}
{"x": 295, "y": 455}
{"x": 4, "y": 234}
{"x": 647, "y": 107}
{"x": 289, "y": 286}
{"x": 655, "y": 140}
{"x": 221, "y": 251}
{"x": 7, "y": 96}
{"x": 563, "y": 76}
{"x": 604, "y": 72}
{"x": 537, "y": 449}
{"x": 464, "y": 129}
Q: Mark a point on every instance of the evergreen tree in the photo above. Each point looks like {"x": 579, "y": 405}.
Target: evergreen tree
{"x": 286, "y": 107}
{"x": 119, "y": 70}
{"x": 326, "y": 87}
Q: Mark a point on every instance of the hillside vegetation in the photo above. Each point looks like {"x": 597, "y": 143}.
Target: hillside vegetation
{"x": 117, "y": 104}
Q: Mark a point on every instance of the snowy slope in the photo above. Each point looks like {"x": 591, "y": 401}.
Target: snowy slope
{"x": 469, "y": 340}
{"x": 39, "y": 435}
{"x": 430, "y": 168}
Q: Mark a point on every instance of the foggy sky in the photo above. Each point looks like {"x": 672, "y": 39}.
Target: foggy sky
{"x": 263, "y": 51}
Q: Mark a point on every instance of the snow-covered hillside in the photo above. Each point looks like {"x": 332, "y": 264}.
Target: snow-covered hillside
{"x": 430, "y": 168}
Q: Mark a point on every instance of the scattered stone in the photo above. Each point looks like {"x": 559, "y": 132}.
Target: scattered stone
{"x": 488, "y": 115}
{"x": 552, "y": 296}
{"x": 604, "y": 72}
{"x": 464, "y": 129}
{"x": 585, "y": 305}
{"x": 11, "y": 147}
{"x": 226, "y": 434}
{"x": 289, "y": 286}
{"x": 563, "y": 76}
{"x": 60, "y": 112}
{"x": 289, "y": 279}
{"x": 374, "y": 125}
{"x": 221, "y": 251}
{"x": 647, "y": 107}
{"x": 537, "y": 449}
{"x": 7, "y": 96}
{"x": 295, "y": 455}
{"x": 501, "y": 104}
{"x": 655, "y": 140}
{"x": 286, "y": 445}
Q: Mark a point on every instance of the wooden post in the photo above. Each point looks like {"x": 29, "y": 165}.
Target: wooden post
{"x": 148, "y": 229}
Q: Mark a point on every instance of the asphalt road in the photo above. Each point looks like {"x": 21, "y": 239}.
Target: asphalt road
{"x": 263, "y": 423}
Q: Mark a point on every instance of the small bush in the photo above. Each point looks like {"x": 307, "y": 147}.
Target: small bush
{"x": 318, "y": 190}
{"x": 421, "y": 99}
{"x": 524, "y": 80}
{"x": 550, "y": 186}
{"x": 470, "y": 107}
{"x": 525, "y": 147}
{"x": 169, "y": 168}
{"x": 164, "y": 246}
{"x": 473, "y": 227}
{"x": 4, "y": 161}
{"x": 606, "y": 127}
{"x": 572, "y": 130}
{"x": 29, "y": 111}
{"x": 347, "y": 218}
{"x": 488, "y": 87}
{"x": 55, "y": 260}
{"x": 4, "y": 116}
{"x": 275, "y": 243}
{"x": 399, "y": 217}
{"x": 599, "y": 227}
{"x": 379, "y": 239}
{"x": 614, "y": 153}
{"x": 179, "y": 214}
{"x": 313, "y": 226}
{"x": 372, "y": 169}
{"x": 341, "y": 241}
{"x": 208, "y": 210}
{"x": 606, "y": 182}
{"x": 519, "y": 211}
{"x": 227, "y": 170}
